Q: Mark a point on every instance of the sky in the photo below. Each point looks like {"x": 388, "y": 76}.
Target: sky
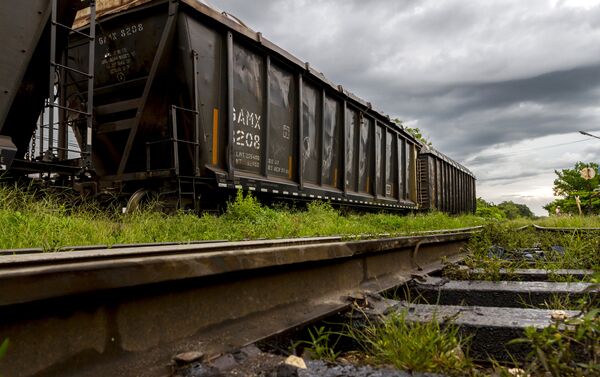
{"x": 501, "y": 86}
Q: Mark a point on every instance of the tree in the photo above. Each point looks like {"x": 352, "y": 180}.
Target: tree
{"x": 504, "y": 210}
{"x": 515, "y": 210}
{"x": 489, "y": 210}
{"x": 569, "y": 184}
{"x": 415, "y": 132}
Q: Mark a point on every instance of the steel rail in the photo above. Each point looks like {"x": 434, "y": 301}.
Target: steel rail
{"x": 127, "y": 311}
{"x": 208, "y": 245}
{"x": 563, "y": 229}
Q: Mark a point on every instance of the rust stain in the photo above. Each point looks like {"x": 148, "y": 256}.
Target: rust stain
{"x": 105, "y": 7}
{"x": 215, "y": 145}
{"x": 290, "y": 167}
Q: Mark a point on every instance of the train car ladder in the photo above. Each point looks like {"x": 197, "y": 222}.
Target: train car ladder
{"x": 57, "y": 85}
{"x": 422, "y": 188}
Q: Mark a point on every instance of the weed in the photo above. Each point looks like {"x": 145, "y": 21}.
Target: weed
{"x": 500, "y": 246}
{"x": 320, "y": 345}
{"x": 423, "y": 347}
{"x": 4, "y": 347}
{"x": 567, "y": 347}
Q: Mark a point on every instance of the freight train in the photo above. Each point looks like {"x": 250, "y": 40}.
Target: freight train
{"x": 175, "y": 98}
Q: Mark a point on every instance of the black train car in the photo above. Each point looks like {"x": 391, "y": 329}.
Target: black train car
{"x": 445, "y": 185}
{"x": 193, "y": 105}
{"x": 189, "y": 101}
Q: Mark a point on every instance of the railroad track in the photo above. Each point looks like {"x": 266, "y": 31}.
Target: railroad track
{"x": 491, "y": 310}
{"x": 125, "y": 311}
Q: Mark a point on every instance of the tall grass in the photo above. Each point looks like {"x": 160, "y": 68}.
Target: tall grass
{"x": 30, "y": 218}
{"x": 423, "y": 347}
{"x": 394, "y": 340}
{"x": 581, "y": 250}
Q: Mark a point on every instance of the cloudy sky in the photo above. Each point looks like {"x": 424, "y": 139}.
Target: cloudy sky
{"x": 501, "y": 86}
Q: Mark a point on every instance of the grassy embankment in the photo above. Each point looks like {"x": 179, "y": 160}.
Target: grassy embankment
{"x": 34, "y": 220}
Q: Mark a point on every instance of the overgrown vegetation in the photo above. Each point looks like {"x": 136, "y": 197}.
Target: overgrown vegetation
{"x": 500, "y": 245}
{"x": 38, "y": 219}
{"x": 568, "y": 347}
{"x": 3, "y": 347}
{"x": 423, "y": 347}
{"x": 393, "y": 341}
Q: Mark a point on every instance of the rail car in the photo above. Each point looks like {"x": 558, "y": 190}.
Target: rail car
{"x": 176, "y": 98}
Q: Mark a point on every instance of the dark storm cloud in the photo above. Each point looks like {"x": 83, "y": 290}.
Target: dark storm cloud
{"x": 476, "y": 116}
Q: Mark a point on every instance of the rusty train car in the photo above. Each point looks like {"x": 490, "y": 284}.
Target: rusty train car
{"x": 179, "y": 99}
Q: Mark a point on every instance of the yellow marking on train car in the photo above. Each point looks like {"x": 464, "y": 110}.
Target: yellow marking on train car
{"x": 368, "y": 184}
{"x": 215, "y": 146}
{"x": 335, "y": 182}
{"x": 290, "y": 167}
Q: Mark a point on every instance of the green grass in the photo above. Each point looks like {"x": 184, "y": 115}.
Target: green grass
{"x": 30, "y": 218}
{"x": 423, "y": 347}
{"x": 395, "y": 341}
{"x": 582, "y": 250}
{"x": 566, "y": 348}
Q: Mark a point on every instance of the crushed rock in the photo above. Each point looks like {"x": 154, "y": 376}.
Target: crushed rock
{"x": 251, "y": 362}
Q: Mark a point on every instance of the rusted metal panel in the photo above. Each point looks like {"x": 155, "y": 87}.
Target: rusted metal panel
{"x": 402, "y": 168}
{"x": 311, "y": 131}
{"x": 105, "y": 8}
{"x": 350, "y": 139}
{"x": 408, "y": 169}
{"x": 380, "y": 159}
{"x": 248, "y": 97}
{"x": 391, "y": 165}
{"x": 440, "y": 175}
{"x": 281, "y": 122}
{"x": 366, "y": 153}
{"x": 208, "y": 45}
{"x": 331, "y": 150}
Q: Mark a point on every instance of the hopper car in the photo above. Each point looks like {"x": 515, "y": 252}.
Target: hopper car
{"x": 175, "y": 98}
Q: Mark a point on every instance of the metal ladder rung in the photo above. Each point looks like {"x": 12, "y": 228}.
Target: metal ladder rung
{"x": 76, "y": 82}
{"x": 70, "y": 109}
{"x": 73, "y": 30}
{"x": 86, "y": 74}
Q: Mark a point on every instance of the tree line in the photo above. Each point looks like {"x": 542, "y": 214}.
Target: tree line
{"x": 505, "y": 210}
